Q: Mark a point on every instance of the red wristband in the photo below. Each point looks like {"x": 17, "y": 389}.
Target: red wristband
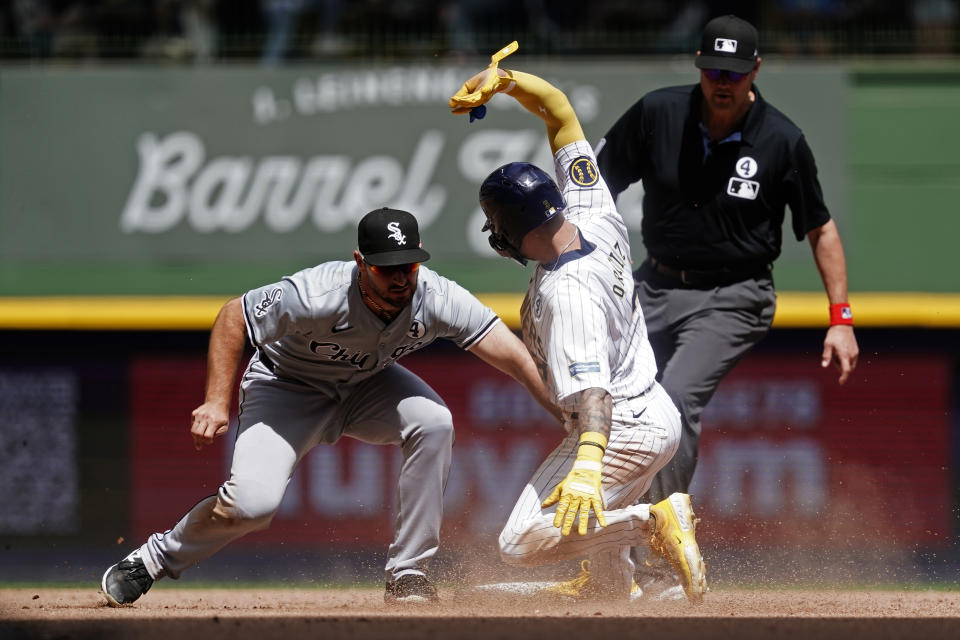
{"x": 840, "y": 313}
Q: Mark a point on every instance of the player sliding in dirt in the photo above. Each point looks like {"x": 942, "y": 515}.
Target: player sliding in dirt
{"x": 589, "y": 341}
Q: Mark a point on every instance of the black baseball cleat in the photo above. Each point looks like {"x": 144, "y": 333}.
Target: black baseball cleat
{"x": 410, "y": 588}
{"x": 126, "y": 581}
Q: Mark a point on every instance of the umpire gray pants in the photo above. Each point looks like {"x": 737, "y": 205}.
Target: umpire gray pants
{"x": 697, "y": 335}
{"x": 279, "y": 423}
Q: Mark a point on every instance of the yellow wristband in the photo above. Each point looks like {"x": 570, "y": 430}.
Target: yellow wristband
{"x": 594, "y": 437}
{"x": 596, "y": 446}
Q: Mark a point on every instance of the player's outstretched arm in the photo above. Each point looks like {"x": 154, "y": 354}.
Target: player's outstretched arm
{"x": 538, "y": 96}
{"x": 223, "y": 358}
{"x": 581, "y": 490}
{"x": 503, "y": 350}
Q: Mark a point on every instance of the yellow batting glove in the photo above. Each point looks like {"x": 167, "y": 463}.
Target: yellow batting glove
{"x": 580, "y": 490}
{"x": 481, "y": 87}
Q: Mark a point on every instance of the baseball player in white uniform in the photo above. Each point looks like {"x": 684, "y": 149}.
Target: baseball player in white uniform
{"x": 590, "y": 344}
{"x": 326, "y": 341}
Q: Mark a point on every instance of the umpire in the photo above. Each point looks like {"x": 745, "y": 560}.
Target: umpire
{"x": 718, "y": 165}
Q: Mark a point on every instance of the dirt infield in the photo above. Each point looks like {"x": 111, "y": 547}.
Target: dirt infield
{"x": 179, "y": 614}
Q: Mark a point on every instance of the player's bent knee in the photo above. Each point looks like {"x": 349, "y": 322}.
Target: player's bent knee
{"x": 510, "y": 551}
{"x": 248, "y": 506}
{"x": 440, "y": 427}
{"x": 434, "y": 420}
{"x": 518, "y": 560}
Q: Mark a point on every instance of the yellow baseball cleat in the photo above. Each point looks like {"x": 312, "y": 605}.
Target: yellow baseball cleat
{"x": 674, "y": 538}
{"x": 583, "y": 586}
{"x": 576, "y": 587}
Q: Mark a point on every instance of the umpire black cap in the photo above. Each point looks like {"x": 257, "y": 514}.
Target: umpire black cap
{"x": 388, "y": 237}
{"x": 728, "y": 43}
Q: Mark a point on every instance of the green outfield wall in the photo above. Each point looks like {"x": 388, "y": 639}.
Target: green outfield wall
{"x": 904, "y": 179}
{"x": 209, "y": 181}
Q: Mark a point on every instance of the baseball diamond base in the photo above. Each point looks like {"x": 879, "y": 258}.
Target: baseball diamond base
{"x": 506, "y": 589}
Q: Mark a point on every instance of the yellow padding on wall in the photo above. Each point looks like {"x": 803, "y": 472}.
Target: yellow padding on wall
{"x": 110, "y": 312}
{"x": 795, "y": 309}
{"x": 799, "y": 309}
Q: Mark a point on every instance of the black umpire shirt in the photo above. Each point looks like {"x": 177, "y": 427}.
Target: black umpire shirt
{"x": 706, "y": 205}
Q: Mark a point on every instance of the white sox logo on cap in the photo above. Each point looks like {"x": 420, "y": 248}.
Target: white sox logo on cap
{"x": 388, "y": 237}
{"x": 395, "y": 233}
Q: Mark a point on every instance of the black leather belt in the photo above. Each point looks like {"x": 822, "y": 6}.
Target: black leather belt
{"x": 700, "y": 278}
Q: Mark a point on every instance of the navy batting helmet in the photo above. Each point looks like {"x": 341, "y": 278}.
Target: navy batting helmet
{"x": 517, "y": 198}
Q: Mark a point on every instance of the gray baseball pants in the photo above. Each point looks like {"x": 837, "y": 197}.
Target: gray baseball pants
{"x": 697, "y": 335}
{"x": 279, "y": 422}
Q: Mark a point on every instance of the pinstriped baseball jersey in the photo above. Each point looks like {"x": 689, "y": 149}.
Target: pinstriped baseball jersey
{"x": 314, "y": 327}
{"x": 583, "y": 330}
{"x": 579, "y": 319}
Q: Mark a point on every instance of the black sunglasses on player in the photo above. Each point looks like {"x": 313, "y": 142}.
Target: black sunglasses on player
{"x": 716, "y": 74}
{"x": 410, "y": 267}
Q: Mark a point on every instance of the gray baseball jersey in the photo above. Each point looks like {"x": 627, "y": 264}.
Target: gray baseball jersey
{"x": 314, "y": 327}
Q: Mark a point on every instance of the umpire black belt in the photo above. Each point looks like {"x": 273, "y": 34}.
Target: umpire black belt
{"x": 712, "y": 278}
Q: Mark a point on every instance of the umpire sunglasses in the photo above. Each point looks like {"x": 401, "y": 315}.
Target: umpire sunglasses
{"x": 716, "y": 74}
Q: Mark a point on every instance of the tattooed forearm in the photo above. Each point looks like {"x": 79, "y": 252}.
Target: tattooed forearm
{"x": 594, "y": 408}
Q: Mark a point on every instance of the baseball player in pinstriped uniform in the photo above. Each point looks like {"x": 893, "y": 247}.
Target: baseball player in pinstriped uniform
{"x": 590, "y": 345}
{"x": 327, "y": 340}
